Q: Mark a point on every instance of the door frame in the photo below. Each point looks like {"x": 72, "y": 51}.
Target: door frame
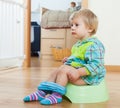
{"x": 27, "y": 34}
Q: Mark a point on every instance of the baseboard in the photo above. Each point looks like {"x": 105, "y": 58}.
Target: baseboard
{"x": 113, "y": 68}
{"x": 11, "y": 62}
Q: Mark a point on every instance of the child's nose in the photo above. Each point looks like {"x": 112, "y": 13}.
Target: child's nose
{"x": 73, "y": 27}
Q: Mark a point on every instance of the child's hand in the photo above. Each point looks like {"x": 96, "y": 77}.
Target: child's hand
{"x": 64, "y": 59}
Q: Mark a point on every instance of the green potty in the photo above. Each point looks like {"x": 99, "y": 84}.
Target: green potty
{"x": 87, "y": 94}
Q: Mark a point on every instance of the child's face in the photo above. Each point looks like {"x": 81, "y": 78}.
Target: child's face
{"x": 78, "y": 29}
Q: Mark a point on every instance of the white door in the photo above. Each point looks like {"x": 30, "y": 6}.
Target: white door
{"x": 11, "y": 32}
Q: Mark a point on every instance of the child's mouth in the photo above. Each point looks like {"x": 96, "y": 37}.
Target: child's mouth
{"x": 73, "y": 33}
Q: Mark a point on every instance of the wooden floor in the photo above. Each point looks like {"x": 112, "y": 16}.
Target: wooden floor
{"x": 15, "y": 83}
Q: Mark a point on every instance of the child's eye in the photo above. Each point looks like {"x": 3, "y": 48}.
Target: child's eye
{"x": 76, "y": 25}
{"x": 71, "y": 25}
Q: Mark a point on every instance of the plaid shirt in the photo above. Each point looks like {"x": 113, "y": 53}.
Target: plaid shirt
{"x": 89, "y": 53}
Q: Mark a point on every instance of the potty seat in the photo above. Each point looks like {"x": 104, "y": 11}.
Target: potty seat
{"x": 87, "y": 93}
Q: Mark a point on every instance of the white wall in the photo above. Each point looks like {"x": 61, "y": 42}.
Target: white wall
{"x": 109, "y": 27}
{"x": 35, "y": 11}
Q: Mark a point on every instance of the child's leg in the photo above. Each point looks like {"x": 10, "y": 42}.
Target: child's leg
{"x": 62, "y": 75}
{"x": 74, "y": 74}
{"x": 56, "y": 84}
{"x": 61, "y": 80}
{"x": 68, "y": 73}
{"x": 79, "y": 82}
{"x": 58, "y": 87}
{"x": 38, "y": 95}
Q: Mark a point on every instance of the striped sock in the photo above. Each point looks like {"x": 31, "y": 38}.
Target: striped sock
{"x": 38, "y": 95}
{"x": 52, "y": 99}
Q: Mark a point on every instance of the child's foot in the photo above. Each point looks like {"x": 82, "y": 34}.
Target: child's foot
{"x": 38, "y": 95}
{"x": 54, "y": 98}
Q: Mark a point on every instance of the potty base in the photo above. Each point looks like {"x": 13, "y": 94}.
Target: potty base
{"x": 87, "y": 93}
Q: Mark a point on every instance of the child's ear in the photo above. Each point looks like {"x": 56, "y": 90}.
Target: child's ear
{"x": 90, "y": 30}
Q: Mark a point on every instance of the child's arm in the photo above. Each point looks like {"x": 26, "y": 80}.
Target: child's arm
{"x": 95, "y": 59}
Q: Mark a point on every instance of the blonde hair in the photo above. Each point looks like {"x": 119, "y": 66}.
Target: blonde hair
{"x": 89, "y": 18}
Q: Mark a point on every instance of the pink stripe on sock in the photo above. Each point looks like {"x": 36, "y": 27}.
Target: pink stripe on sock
{"x": 30, "y": 97}
{"x": 36, "y": 97}
{"x": 53, "y": 99}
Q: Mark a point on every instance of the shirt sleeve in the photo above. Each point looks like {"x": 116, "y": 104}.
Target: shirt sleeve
{"x": 94, "y": 58}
